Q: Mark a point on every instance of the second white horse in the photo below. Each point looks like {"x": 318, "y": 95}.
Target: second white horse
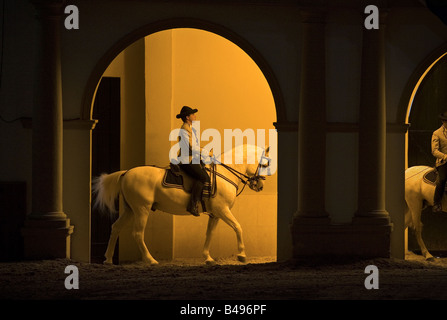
{"x": 418, "y": 194}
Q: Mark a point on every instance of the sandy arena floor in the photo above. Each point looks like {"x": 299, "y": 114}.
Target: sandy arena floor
{"x": 258, "y": 279}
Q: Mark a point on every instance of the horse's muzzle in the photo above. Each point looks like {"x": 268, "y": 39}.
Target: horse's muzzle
{"x": 257, "y": 184}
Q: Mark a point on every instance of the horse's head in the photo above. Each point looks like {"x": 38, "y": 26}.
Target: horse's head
{"x": 258, "y": 170}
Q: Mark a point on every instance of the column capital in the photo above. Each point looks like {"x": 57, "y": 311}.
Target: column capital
{"x": 381, "y": 4}
{"x": 383, "y": 15}
{"x": 286, "y": 126}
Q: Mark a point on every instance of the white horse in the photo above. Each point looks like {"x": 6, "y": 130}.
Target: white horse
{"x": 142, "y": 190}
{"x": 418, "y": 195}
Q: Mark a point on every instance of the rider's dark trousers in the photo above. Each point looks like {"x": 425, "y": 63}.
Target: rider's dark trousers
{"x": 198, "y": 173}
{"x": 440, "y": 184}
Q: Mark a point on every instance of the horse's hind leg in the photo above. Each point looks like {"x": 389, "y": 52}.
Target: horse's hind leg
{"x": 418, "y": 232}
{"x": 228, "y": 217}
{"x": 141, "y": 216}
{"x": 117, "y": 226}
{"x": 212, "y": 223}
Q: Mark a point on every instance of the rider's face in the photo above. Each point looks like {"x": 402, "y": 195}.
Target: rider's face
{"x": 192, "y": 117}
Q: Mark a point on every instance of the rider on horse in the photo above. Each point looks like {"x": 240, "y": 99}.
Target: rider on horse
{"x": 192, "y": 163}
{"x": 439, "y": 150}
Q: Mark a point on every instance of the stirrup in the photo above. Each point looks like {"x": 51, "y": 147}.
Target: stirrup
{"x": 192, "y": 208}
{"x": 437, "y": 208}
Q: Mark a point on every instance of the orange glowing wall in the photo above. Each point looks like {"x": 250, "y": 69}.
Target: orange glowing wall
{"x": 208, "y": 72}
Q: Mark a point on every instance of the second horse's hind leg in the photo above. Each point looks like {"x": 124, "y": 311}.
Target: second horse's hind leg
{"x": 140, "y": 220}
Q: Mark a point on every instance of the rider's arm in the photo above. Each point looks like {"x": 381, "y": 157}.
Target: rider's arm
{"x": 435, "y": 146}
{"x": 193, "y": 143}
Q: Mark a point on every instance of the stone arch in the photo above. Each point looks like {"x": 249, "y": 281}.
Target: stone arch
{"x": 413, "y": 85}
{"x": 120, "y": 45}
{"x": 134, "y": 36}
{"x": 415, "y": 80}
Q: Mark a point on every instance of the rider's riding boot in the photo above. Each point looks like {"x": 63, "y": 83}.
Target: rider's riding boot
{"x": 196, "y": 196}
{"x": 437, "y": 208}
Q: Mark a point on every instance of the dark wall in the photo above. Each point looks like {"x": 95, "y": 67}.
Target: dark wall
{"x": 429, "y": 102}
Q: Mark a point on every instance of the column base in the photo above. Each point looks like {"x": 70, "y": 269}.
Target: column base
{"x": 371, "y": 220}
{"x": 47, "y": 239}
{"x": 47, "y": 216}
{"x": 361, "y": 240}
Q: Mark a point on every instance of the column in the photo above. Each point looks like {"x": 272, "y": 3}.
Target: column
{"x": 287, "y": 186}
{"x": 310, "y": 222}
{"x": 372, "y": 129}
{"x": 312, "y": 119}
{"x": 47, "y": 229}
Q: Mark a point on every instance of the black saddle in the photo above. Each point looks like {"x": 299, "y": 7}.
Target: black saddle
{"x": 431, "y": 177}
{"x": 173, "y": 178}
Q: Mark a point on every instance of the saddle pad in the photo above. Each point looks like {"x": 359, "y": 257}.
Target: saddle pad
{"x": 431, "y": 176}
{"x": 172, "y": 180}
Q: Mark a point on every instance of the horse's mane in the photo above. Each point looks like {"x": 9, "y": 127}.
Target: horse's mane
{"x": 246, "y": 152}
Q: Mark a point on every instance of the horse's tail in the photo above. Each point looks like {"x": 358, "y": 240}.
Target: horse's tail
{"x": 106, "y": 187}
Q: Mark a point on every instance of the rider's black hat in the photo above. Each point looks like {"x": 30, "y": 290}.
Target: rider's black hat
{"x": 186, "y": 111}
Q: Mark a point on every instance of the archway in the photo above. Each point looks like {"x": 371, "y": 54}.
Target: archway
{"x": 427, "y": 101}
{"x": 152, "y": 49}
{"x": 123, "y": 43}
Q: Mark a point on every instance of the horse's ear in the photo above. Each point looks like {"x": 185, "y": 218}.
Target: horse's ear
{"x": 267, "y": 150}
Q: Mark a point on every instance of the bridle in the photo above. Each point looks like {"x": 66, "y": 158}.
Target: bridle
{"x": 251, "y": 181}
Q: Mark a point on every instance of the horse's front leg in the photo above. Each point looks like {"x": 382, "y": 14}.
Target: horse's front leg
{"x": 228, "y": 217}
{"x": 212, "y": 223}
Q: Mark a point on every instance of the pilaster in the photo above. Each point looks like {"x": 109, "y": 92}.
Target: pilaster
{"x": 47, "y": 229}
{"x": 311, "y": 214}
{"x": 312, "y": 118}
{"x": 372, "y": 128}
{"x": 372, "y": 213}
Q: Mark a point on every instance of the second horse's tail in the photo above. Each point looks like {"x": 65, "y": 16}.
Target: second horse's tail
{"x": 106, "y": 187}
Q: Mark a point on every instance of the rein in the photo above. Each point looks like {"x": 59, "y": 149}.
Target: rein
{"x": 239, "y": 175}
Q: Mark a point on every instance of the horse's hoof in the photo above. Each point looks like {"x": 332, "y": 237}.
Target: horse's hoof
{"x": 210, "y": 262}
{"x": 242, "y": 259}
{"x": 149, "y": 262}
{"x": 107, "y": 263}
{"x": 430, "y": 259}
